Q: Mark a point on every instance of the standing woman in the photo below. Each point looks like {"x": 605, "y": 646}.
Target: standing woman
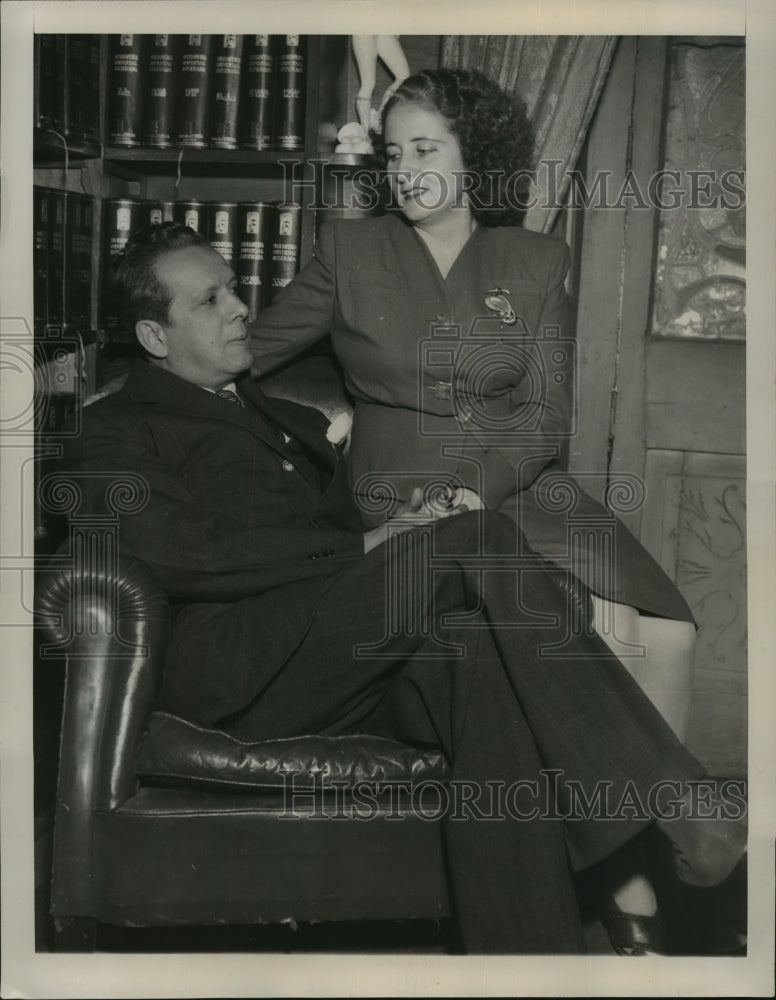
{"x": 449, "y": 322}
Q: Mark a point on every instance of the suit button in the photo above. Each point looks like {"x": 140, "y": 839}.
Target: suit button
{"x": 288, "y": 466}
{"x": 313, "y": 555}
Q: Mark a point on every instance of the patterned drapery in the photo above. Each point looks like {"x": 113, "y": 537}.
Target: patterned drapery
{"x": 700, "y": 287}
{"x": 560, "y": 79}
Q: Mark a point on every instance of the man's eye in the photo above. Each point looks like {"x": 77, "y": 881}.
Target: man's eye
{"x": 392, "y": 157}
{"x": 425, "y": 150}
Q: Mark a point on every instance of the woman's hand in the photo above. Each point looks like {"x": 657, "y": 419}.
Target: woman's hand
{"x": 448, "y": 502}
{"x": 418, "y": 511}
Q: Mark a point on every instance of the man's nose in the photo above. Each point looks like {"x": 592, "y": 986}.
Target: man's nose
{"x": 236, "y": 308}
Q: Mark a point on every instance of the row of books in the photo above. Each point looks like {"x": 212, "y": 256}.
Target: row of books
{"x": 195, "y": 91}
{"x": 260, "y": 240}
{"x": 66, "y": 90}
{"x": 62, "y": 258}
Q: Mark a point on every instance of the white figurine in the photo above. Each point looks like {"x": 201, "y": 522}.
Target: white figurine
{"x": 367, "y": 49}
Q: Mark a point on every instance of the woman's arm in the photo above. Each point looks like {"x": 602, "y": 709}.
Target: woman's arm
{"x": 301, "y": 314}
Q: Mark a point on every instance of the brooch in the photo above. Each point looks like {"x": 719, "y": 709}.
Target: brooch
{"x": 496, "y": 300}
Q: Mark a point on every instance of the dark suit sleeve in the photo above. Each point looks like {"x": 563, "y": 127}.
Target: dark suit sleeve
{"x": 301, "y": 314}
{"x": 198, "y": 554}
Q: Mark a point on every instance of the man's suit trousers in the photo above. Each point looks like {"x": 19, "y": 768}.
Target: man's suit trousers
{"x": 430, "y": 640}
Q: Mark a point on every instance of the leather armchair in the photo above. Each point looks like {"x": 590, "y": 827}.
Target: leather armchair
{"x": 159, "y": 822}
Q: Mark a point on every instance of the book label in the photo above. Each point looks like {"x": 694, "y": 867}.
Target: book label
{"x": 227, "y": 66}
{"x": 159, "y": 98}
{"x": 125, "y": 90}
{"x": 256, "y": 100}
{"x": 193, "y": 101}
{"x": 254, "y": 220}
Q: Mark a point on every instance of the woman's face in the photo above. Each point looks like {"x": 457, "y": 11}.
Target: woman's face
{"x": 425, "y": 165}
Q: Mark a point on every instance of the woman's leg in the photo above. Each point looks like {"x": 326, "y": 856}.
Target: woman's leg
{"x": 658, "y": 654}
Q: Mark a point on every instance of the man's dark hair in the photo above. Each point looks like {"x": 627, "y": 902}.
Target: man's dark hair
{"x": 138, "y": 293}
{"x": 492, "y": 129}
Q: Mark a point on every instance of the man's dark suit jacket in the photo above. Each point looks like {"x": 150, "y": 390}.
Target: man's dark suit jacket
{"x": 234, "y": 512}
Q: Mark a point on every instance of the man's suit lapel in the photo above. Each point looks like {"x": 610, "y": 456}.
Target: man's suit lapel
{"x": 305, "y": 423}
{"x": 170, "y": 394}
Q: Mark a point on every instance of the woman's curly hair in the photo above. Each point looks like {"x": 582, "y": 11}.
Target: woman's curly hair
{"x": 492, "y": 129}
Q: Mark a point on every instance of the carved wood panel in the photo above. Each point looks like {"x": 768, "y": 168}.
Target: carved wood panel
{"x": 695, "y": 525}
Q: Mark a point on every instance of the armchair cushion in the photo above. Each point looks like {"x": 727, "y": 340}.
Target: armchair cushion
{"x": 177, "y": 752}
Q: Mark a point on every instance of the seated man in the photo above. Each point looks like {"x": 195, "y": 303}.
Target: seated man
{"x": 283, "y": 617}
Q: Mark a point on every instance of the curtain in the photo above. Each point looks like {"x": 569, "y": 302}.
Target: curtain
{"x": 560, "y": 79}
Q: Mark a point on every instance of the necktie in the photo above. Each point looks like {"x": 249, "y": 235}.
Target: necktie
{"x": 230, "y": 395}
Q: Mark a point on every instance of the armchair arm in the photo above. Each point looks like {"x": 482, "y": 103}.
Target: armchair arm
{"x": 109, "y": 618}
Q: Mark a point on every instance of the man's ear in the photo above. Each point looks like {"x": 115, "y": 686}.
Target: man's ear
{"x": 152, "y": 337}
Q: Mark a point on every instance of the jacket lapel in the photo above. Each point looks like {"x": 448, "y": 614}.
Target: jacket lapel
{"x": 305, "y": 423}
{"x": 154, "y": 386}
{"x": 149, "y": 384}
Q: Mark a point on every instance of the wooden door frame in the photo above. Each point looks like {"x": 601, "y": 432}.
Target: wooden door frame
{"x": 616, "y": 263}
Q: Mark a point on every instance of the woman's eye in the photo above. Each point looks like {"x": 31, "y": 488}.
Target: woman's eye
{"x": 425, "y": 150}
{"x": 392, "y": 157}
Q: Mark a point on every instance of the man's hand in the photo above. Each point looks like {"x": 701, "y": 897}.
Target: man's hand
{"x": 417, "y": 511}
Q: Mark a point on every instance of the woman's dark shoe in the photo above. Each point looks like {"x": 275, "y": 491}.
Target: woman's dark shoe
{"x": 706, "y": 853}
{"x": 706, "y": 849}
{"x": 633, "y": 933}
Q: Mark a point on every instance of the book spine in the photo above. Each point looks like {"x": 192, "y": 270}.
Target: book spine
{"x": 227, "y": 66}
{"x": 193, "y": 214}
{"x": 253, "y": 234}
{"x": 59, "y": 84}
{"x": 125, "y": 90}
{"x": 56, "y": 258}
{"x": 41, "y": 254}
{"x": 289, "y": 107}
{"x": 284, "y": 250}
{"x": 120, "y": 217}
{"x": 70, "y": 284}
{"x": 78, "y": 260}
{"x": 43, "y": 87}
{"x": 159, "y": 96}
{"x": 82, "y": 244}
{"x": 193, "y": 98}
{"x": 256, "y": 103}
{"x": 76, "y": 69}
{"x": 222, "y": 226}
{"x": 92, "y": 95}
{"x": 154, "y": 213}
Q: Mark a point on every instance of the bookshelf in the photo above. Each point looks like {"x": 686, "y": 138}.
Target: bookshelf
{"x": 73, "y": 164}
